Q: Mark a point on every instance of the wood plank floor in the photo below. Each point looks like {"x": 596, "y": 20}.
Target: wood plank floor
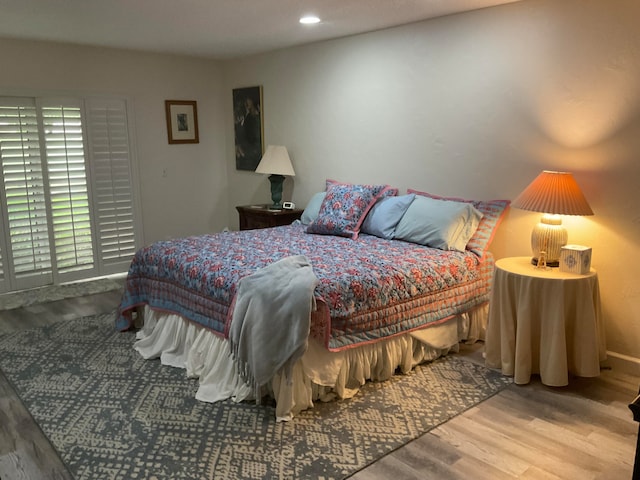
{"x": 583, "y": 431}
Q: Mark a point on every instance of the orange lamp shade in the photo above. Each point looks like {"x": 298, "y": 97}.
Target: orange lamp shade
{"x": 556, "y": 193}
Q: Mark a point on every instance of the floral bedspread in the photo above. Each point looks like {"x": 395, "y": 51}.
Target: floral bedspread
{"x": 369, "y": 288}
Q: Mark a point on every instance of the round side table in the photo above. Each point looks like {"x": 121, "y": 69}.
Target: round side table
{"x": 544, "y": 321}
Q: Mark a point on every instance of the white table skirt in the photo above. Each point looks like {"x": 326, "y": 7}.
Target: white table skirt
{"x": 544, "y": 322}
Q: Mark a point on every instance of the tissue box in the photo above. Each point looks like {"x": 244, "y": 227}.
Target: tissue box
{"x": 575, "y": 259}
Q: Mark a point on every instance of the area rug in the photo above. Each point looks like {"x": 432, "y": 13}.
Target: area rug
{"x": 112, "y": 415}
{"x": 51, "y": 293}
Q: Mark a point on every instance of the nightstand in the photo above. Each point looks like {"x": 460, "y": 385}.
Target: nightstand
{"x": 544, "y": 322}
{"x": 259, "y": 216}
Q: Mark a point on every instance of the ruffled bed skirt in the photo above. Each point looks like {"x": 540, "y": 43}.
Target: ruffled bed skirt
{"x": 318, "y": 375}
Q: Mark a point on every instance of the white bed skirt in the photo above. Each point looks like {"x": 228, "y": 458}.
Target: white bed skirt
{"x": 318, "y": 375}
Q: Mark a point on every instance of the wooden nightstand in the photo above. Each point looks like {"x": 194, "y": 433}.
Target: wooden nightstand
{"x": 259, "y": 216}
{"x": 544, "y": 321}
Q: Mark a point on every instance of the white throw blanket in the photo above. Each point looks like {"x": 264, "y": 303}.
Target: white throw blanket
{"x": 271, "y": 319}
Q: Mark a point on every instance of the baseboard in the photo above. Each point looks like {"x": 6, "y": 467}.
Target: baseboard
{"x": 623, "y": 363}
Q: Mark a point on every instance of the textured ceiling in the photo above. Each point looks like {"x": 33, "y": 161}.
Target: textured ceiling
{"x": 218, "y": 29}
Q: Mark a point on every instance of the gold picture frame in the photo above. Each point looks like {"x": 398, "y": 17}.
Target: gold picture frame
{"x": 182, "y": 121}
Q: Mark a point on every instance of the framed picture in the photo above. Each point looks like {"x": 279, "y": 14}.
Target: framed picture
{"x": 182, "y": 121}
{"x": 247, "y": 122}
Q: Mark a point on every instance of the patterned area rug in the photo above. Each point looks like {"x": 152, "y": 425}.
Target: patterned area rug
{"x": 51, "y": 293}
{"x": 112, "y": 415}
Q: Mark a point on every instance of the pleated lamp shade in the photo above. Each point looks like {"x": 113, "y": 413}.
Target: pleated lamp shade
{"x": 554, "y": 194}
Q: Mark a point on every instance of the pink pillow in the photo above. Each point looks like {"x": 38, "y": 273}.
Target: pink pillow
{"x": 390, "y": 192}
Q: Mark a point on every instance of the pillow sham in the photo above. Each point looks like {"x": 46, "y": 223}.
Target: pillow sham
{"x": 344, "y": 208}
{"x": 493, "y": 212}
{"x": 390, "y": 192}
{"x": 438, "y": 223}
{"x": 312, "y": 209}
{"x": 385, "y": 214}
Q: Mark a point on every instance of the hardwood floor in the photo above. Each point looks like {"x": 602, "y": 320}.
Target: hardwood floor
{"x": 583, "y": 431}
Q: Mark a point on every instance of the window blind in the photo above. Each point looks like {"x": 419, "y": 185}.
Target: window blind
{"x": 112, "y": 180}
{"x": 68, "y": 208}
{"x": 24, "y": 192}
{"x": 67, "y": 181}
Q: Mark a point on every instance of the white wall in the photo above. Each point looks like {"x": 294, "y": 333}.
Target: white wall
{"x": 182, "y": 188}
{"x": 473, "y": 105}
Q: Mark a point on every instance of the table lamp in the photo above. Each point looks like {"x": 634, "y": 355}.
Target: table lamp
{"x": 276, "y": 163}
{"x": 553, "y": 194}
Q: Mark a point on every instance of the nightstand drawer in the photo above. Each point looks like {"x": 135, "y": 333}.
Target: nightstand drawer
{"x": 259, "y": 216}
{"x": 252, "y": 222}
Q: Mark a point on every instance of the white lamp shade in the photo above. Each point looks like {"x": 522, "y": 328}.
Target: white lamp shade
{"x": 276, "y": 161}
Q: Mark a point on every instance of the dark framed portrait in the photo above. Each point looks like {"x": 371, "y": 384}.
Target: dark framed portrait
{"x": 248, "y": 129}
{"x": 182, "y": 121}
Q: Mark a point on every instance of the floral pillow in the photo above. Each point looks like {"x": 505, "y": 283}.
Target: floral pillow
{"x": 492, "y": 213}
{"x": 389, "y": 192}
{"x": 344, "y": 208}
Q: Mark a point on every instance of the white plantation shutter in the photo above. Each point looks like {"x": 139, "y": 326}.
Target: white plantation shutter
{"x": 112, "y": 181}
{"x": 67, "y": 200}
{"x": 67, "y": 180}
{"x": 23, "y": 192}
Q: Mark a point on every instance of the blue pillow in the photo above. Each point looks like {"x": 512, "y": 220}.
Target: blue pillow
{"x": 492, "y": 211}
{"x": 438, "y": 223}
{"x": 468, "y": 230}
{"x": 385, "y": 214}
{"x": 313, "y": 208}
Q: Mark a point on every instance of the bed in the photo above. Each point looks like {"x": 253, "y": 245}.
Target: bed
{"x": 384, "y": 301}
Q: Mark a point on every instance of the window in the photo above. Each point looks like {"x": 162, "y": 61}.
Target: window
{"x": 68, "y": 206}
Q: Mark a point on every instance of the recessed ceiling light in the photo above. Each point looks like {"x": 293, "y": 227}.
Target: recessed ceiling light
{"x": 309, "y": 19}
